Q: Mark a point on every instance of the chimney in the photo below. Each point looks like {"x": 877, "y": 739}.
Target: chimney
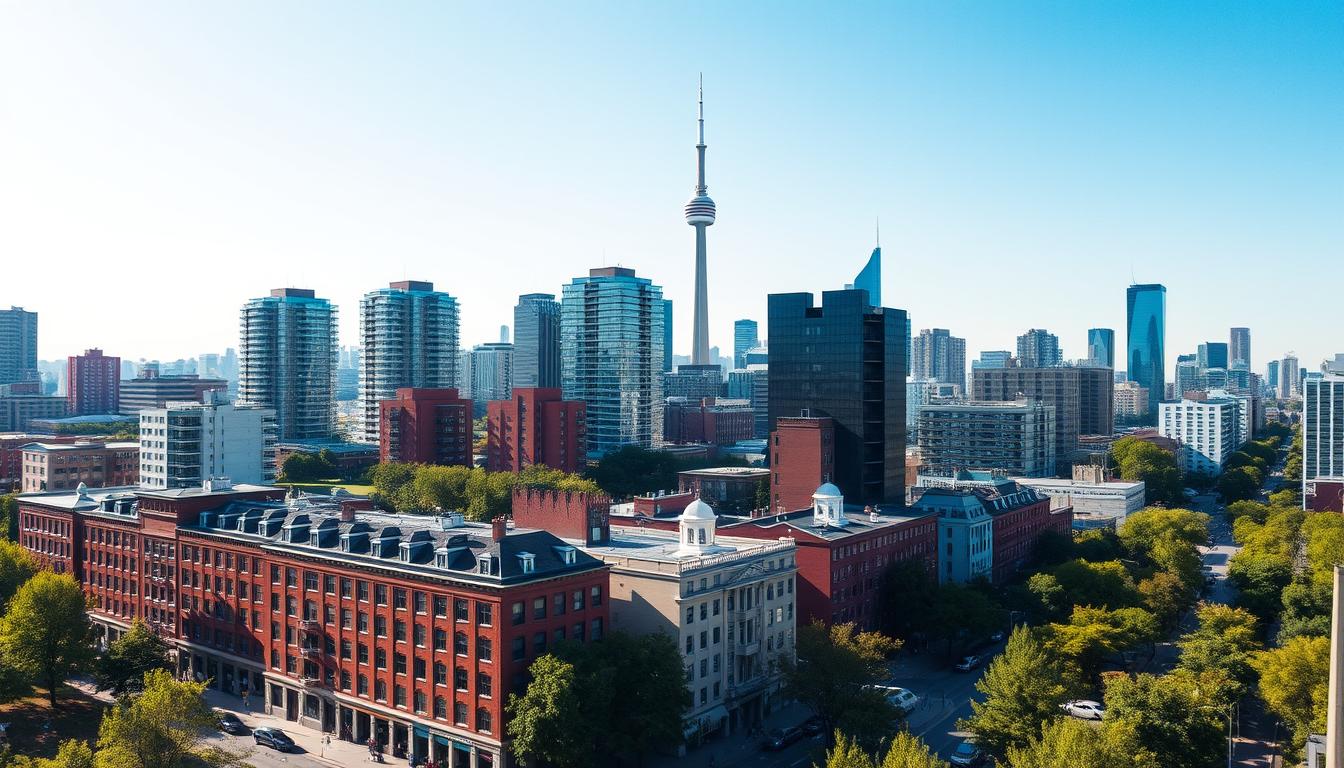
{"x": 347, "y": 512}
{"x": 498, "y": 527}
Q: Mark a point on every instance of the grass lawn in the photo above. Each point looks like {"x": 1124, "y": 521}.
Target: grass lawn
{"x": 325, "y": 486}
{"x": 76, "y": 717}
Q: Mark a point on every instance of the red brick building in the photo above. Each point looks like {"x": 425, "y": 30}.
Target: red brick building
{"x": 426, "y": 426}
{"x": 1020, "y": 517}
{"x": 843, "y": 552}
{"x": 60, "y": 466}
{"x": 573, "y": 516}
{"x": 536, "y": 426}
{"x": 802, "y": 458}
{"x": 412, "y": 631}
{"x": 92, "y": 383}
{"x": 708, "y": 420}
{"x": 11, "y": 453}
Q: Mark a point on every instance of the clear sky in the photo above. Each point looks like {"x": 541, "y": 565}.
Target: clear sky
{"x": 162, "y": 163}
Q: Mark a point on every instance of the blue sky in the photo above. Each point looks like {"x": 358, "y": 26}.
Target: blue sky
{"x": 162, "y": 163}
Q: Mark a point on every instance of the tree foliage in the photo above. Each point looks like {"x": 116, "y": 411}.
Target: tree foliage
{"x": 45, "y": 633}
{"x": 632, "y": 470}
{"x": 835, "y": 667}
{"x": 9, "y": 517}
{"x": 1070, "y": 742}
{"x": 1169, "y": 716}
{"x": 1136, "y": 459}
{"x": 167, "y": 725}
{"x": 1294, "y": 682}
{"x": 548, "y": 722}
{"x": 1141, "y": 531}
{"x": 1106, "y": 584}
{"x": 1022, "y": 690}
{"x": 123, "y": 667}
{"x": 476, "y": 493}
{"x": 307, "y": 467}
{"x": 1224, "y": 643}
{"x": 1092, "y": 634}
{"x": 17, "y": 565}
{"x": 1239, "y": 483}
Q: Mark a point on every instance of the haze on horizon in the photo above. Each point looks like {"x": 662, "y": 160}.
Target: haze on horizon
{"x": 160, "y": 164}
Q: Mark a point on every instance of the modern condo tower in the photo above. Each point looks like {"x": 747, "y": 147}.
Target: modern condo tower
{"x": 409, "y": 336}
{"x": 1146, "y": 325}
{"x": 700, "y": 214}
{"x": 288, "y": 362}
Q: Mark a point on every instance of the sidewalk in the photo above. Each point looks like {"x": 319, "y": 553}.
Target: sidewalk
{"x": 341, "y": 753}
{"x": 734, "y": 750}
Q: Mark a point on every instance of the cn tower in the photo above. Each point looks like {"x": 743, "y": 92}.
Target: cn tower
{"x": 700, "y": 214}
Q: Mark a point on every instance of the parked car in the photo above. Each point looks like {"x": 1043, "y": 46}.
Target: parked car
{"x": 967, "y": 754}
{"x": 996, "y": 637}
{"x": 780, "y": 738}
{"x": 900, "y": 698}
{"x": 229, "y": 723}
{"x": 274, "y": 738}
{"x": 969, "y": 663}
{"x": 812, "y": 726}
{"x": 1083, "y": 708}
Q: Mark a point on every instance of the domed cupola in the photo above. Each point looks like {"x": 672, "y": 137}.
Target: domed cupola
{"x": 828, "y": 507}
{"x": 696, "y": 527}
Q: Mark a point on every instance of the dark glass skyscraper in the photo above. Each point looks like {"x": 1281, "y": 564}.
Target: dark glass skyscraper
{"x": 536, "y": 341}
{"x": 1146, "y": 323}
{"x": 1101, "y": 346}
{"x": 845, "y": 359}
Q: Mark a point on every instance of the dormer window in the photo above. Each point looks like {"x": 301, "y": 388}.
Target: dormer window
{"x": 527, "y": 561}
{"x": 485, "y": 565}
{"x": 405, "y": 553}
{"x": 441, "y": 558}
{"x": 567, "y": 555}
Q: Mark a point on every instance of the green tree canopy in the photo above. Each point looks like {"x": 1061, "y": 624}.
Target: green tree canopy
{"x": 908, "y": 751}
{"x": 306, "y": 468}
{"x": 1070, "y": 742}
{"x": 548, "y": 721}
{"x": 1136, "y": 459}
{"x": 45, "y": 633}
{"x": 129, "y": 658}
{"x": 1224, "y": 642}
{"x": 1107, "y": 584}
{"x": 1169, "y": 716}
{"x": 1239, "y": 483}
{"x": 1022, "y": 690}
{"x": 834, "y": 667}
{"x": 167, "y": 725}
{"x": 1141, "y": 530}
{"x": 1092, "y": 634}
{"x": 1294, "y": 682}
{"x": 17, "y": 565}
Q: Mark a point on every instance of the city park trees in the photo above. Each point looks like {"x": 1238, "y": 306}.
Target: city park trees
{"x": 45, "y": 632}
{"x": 834, "y": 676}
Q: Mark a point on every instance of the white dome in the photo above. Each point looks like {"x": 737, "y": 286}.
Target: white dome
{"x": 698, "y": 510}
{"x": 827, "y": 489}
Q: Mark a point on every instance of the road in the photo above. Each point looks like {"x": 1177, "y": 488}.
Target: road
{"x": 265, "y": 757}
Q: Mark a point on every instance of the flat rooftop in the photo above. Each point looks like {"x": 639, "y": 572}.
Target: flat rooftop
{"x": 1064, "y": 482}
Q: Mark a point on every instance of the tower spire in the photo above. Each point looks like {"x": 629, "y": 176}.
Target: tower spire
{"x": 700, "y": 212}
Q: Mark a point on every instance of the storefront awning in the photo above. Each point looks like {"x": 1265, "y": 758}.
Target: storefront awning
{"x": 709, "y": 721}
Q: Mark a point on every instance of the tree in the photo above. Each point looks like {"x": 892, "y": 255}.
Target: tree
{"x": 1069, "y": 742}
{"x": 17, "y": 565}
{"x": 1260, "y": 579}
{"x": 835, "y": 666}
{"x": 847, "y": 753}
{"x": 1092, "y": 634}
{"x": 1224, "y": 642}
{"x": 633, "y": 470}
{"x": 1294, "y": 681}
{"x": 1306, "y": 609}
{"x": 1049, "y": 600}
{"x": 167, "y": 725}
{"x": 1169, "y": 716}
{"x": 489, "y": 494}
{"x": 1101, "y": 584}
{"x": 906, "y": 592}
{"x": 9, "y": 517}
{"x": 1239, "y": 483}
{"x": 960, "y": 615}
{"x": 307, "y": 468}
{"x": 46, "y": 632}
{"x": 443, "y": 488}
{"x": 1141, "y": 530}
{"x": 1022, "y": 690}
{"x": 908, "y": 751}
{"x": 1252, "y": 509}
{"x": 1165, "y": 595}
{"x": 1155, "y": 466}
{"x": 129, "y": 657}
{"x": 547, "y": 722}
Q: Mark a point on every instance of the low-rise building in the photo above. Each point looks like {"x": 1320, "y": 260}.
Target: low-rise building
{"x": 802, "y": 458}
{"x": 965, "y": 534}
{"x": 11, "y": 453}
{"x": 1017, "y": 438}
{"x": 150, "y": 390}
{"x": 1096, "y": 501}
{"x": 727, "y": 489}
{"x": 350, "y": 459}
{"x": 708, "y": 420}
{"x": 62, "y": 466}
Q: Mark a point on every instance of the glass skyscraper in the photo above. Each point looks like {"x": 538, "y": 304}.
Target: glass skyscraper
{"x": 536, "y": 341}
{"x": 1146, "y": 324}
{"x": 845, "y": 359}
{"x": 745, "y": 337}
{"x": 410, "y": 339}
{"x": 1101, "y": 346}
{"x": 287, "y": 362}
{"x": 611, "y": 342}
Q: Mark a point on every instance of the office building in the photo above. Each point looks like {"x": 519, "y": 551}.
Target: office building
{"x": 745, "y": 337}
{"x": 1187, "y": 377}
{"x": 1272, "y": 376}
{"x": 536, "y": 341}
{"x": 183, "y": 445}
{"x": 760, "y": 398}
{"x": 535, "y": 426}
{"x": 1096, "y": 501}
{"x": 1212, "y": 354}
{"x": 1083, "y": 398}
{"x": 92, "y": 383}
{"x": 21, "y": 404}
{"x": 1101, "y": 347}
{"x": 1322, "y": 430}
{"x": 491, "y": 372}
{"x": 287, "y": 362}
{"x": 693, "y": 382}
{"x": 1207, "y": 431}
{"x": 1290, "y": 377}
{"x": 728, "y": 601}
{"x": 1038, "y": 348}
{"x": 1131, "y": 401}
{"x": 51, "y": 466}
{"x": 1016, "y": 438}
{"x": 409, "y": 339}
{"x": 993, "y": 358}
{"x": 1239, "y": 349}
{"x": 611, "y": 340}
{"x": 451, "y": 613}
{"x": 18, "y": 345}
{"x": 709, "y": 420}
{"x": 938, "y": 355}
{"x": 1146, "y": 343}
{"x": 426, "y": 426}
{"x": 846, "y": 360}
{"x": 151, "y": 390}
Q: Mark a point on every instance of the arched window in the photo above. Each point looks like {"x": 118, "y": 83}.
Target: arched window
{"x": 440, "y": 708}
{"x": 460, "y": 713}
{"x": 483, "y": 720}
{"x": 702, "y": 535}
{"x": 690, "y": 536}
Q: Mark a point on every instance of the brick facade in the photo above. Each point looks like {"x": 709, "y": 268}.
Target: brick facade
{"x": 426, "y": 426}
{"x": 536, "y": 426}
{"x": 802, "y": 457}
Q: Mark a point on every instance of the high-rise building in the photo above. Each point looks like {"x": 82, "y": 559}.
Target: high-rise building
{"x": 667, "y": 334}
{"x": 536, "y": 341}
{"x": 288, "y": 361}
{"x": 937, "y": 354}
{"x": 1038, "y": 348}
{"x": 409, "y": 337}
{"x": 93, "y": 383}
{"x": 1083, "y": 398}
{"x": 693, "y": 382}
{"x": 183, "y": 445}
{"x": 1322, "y": 430}
{"x": 18, "y": 345}
{"x": 1206, "y": 429}
{"x": 491, "y": 372}
{"x": 1101, "y": 346}
{"x": 1240, "y": 350}
{"x": 1272, "y": 375}
{"x": 993, "y": 358}
{"x": 1146, "y": 344}
{"x": 700, "y": 213}
{"x": 870, "y": 277}
{"x": 1212, "y": 354}
{"x": 1187, "y": 377}
{"x": 1290, "y": 378}
{"x": 425, "y": 426}
{"x": 745, "y": 338}
{"x": 535, "y": 426}
{"x": 1016, "y": 437}
{"x": 611, "y": 341}
{"x": 845, "y": 359}
{"x": 1131, "y": 401}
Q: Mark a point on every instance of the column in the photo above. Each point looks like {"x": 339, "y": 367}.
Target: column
{"x": 1334, "y": 714}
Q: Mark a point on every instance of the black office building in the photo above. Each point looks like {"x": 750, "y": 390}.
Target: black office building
{"x": 847, "y": 360}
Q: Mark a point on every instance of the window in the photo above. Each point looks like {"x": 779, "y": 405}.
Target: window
{"x": 347, "y": 649}
{"x": 519, "y": 648}
{"x": 399, "y": 694}
{"x": 484, "y": 614}
{"x": 539, "y": 643}
{"x": 346, "y": 585}
{"x": 483, "y": 684}
{"x": 441, "y": 639}
{"x": 345, "y": 681}
{"x": 690, "y": 644}
{"x": 421, "y": 603}
{"x": 347, "y": 618}
{"x": 363, "y": 622}
{"x": 440, "y": 708}
{"x": 441, "y": 607}
{"x": 519, "y": 615}
{"x": 460, "y": 643}
{"x": 483, "y": 719}
{"x": 363, "y": 685}
{"x": 420, "y": 666}
{"x": 399, "y": 631}
{"x": 440, "y": 673}
{"x": 595, "y": 599}
{"x": 379, "y": 658}
{"x": 399, "y": 663}
{"x": 578, "y": 599}
{"x": 420, "y": 635}
{"x": 596, "y": 633}
{"x": 380, "y": 626}
{"x": 459, "y": 610}
{"x": 460, "y": 679}
{"x": 484, "y": 649}
{"x": 559, "y": 602}
{"x": 420, "y": 702}
{"x": 459, "y": 713}
{"x": 380, "y": 690}
{"x": 399, "y": 598}
{"x": 380, "y": 594}
{"x": 539, "y": 608}
{"x": 291, "y": 577}
{"x": 363, "y": 589}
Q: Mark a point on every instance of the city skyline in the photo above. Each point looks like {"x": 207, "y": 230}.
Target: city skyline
{"x": 1209, "y": 144}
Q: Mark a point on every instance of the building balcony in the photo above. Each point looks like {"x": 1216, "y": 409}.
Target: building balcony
{"x": 311, "y": 653}
{"x": 310, "y": 625}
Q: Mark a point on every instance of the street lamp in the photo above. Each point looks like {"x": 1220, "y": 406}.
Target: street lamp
{"x": 1228, "y": 715}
